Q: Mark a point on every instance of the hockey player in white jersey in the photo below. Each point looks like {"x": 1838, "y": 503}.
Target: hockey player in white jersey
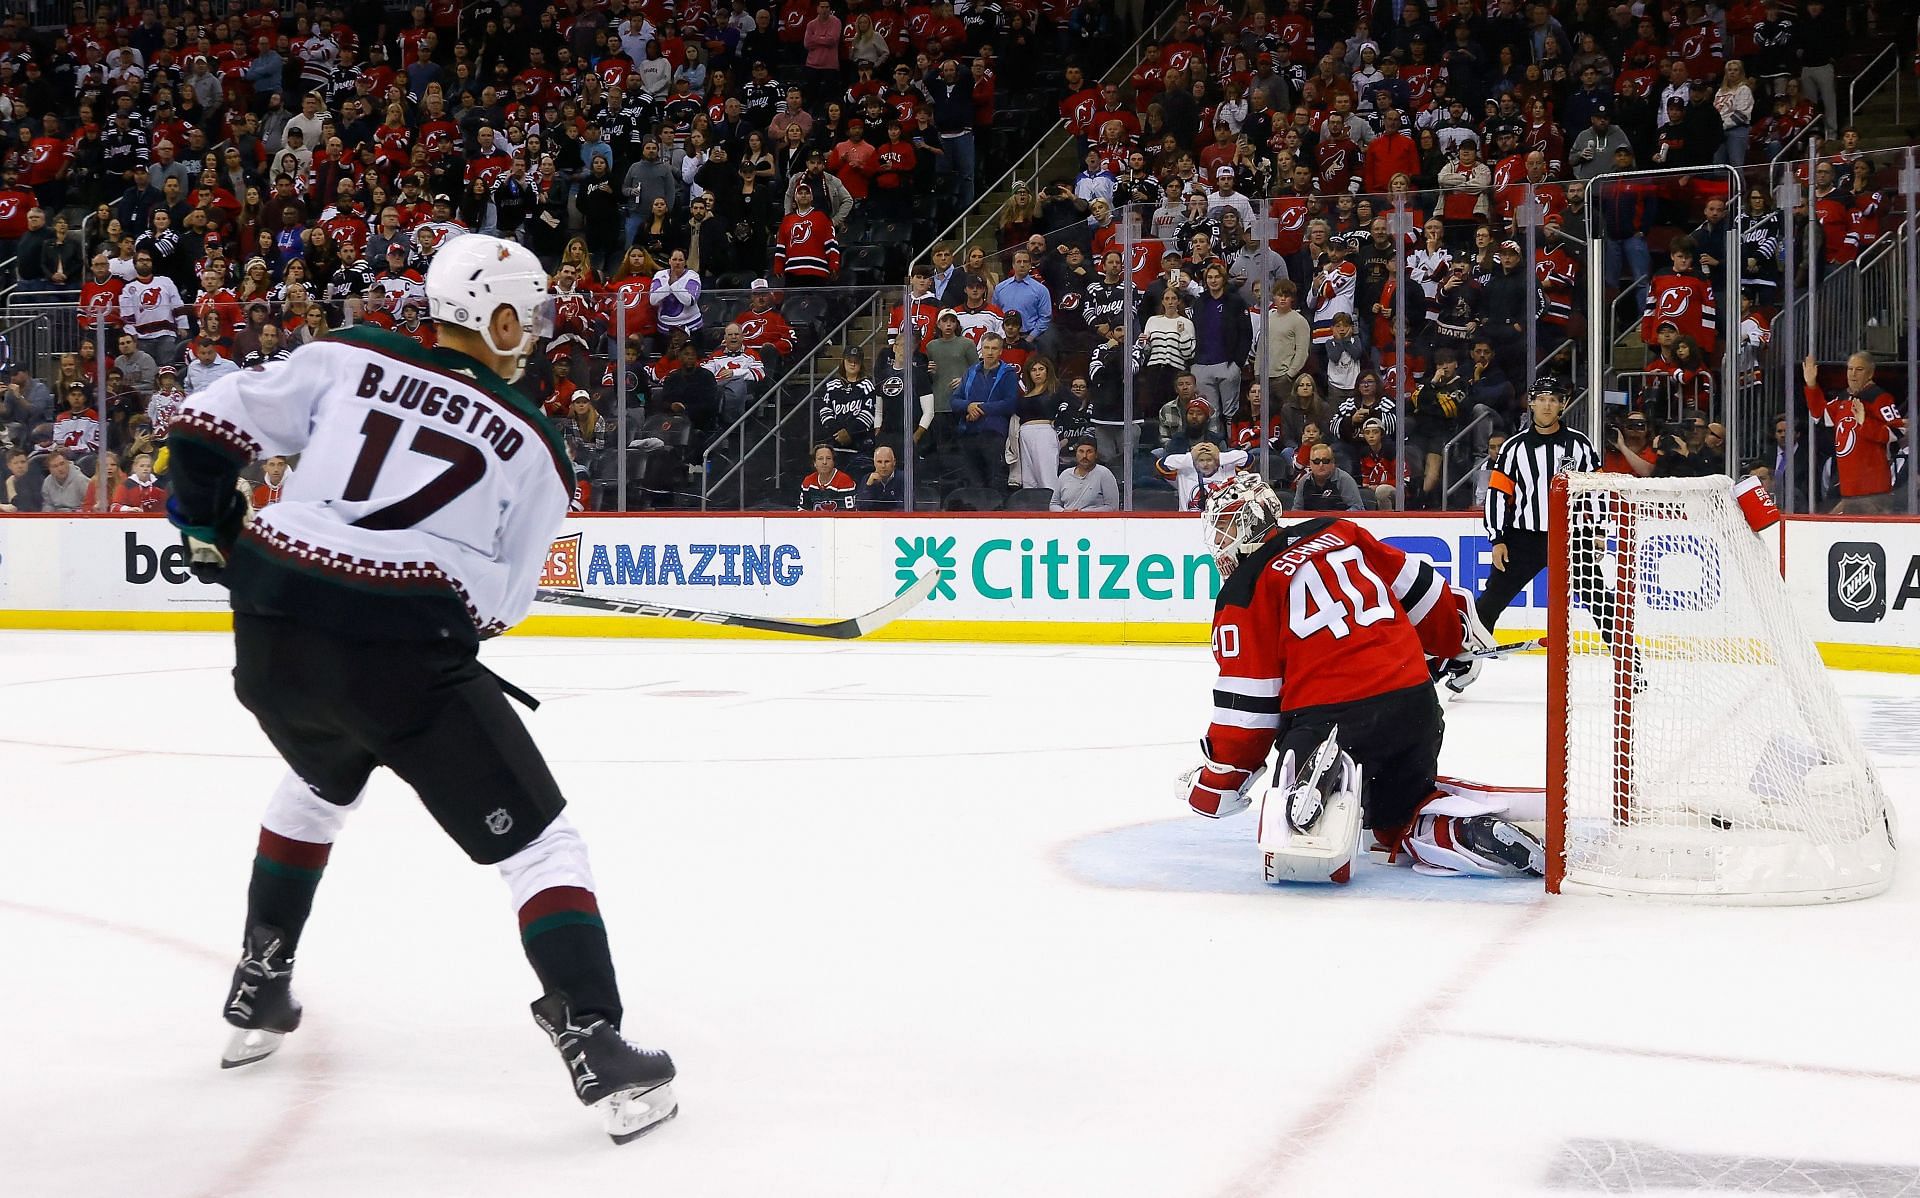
{"x": 428, "y": 493}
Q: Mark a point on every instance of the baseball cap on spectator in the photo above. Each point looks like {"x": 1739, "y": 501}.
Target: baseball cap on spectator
{"x": 760, "y": 285}
{"x": 1083, "y": 439}
{"x": 1373, "y": 424}
{"x": 1201, "y": 402}
{"x": 944, "y": 313}
{"x": 972, "y": 281}
{"x": 443, "y": 198}
{"x": 1223, "y": 172}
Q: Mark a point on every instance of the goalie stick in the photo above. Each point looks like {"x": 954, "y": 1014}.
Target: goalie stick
{"x": 848, "y": 629}
{"x": 1511, "y": 647}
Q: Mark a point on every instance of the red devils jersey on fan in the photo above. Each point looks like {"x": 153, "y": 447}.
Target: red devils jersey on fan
{"x": 635, "y": 295}
{"x": 14, "y": 204}
{"x": 100, "y": 300}
{"x": 1860, "y": 442}
{"x": 1295, "y": 33}
{"x": 1322, "y": 614}
{"x": 438, "y": 138}
{"x": 1289, "y": 214}
{"x": 765, "y": 330}
{"x": 1687, "y": 301}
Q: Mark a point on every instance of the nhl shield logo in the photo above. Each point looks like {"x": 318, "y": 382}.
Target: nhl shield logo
{"x": 499, "y": 822}
{"x": 562, "y": 572}
{"x": 1856, "y": 586}
{"x": 1857, "y": 582}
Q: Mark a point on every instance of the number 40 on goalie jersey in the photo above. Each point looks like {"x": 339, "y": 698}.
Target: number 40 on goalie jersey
{"x": 1323, "y": 614}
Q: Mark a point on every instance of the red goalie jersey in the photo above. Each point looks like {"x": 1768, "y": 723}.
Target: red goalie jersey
{"x": 1323, "y": 614}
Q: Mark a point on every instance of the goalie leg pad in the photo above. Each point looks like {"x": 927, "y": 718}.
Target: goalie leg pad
{"x": 1475, "y": 830}
{"x": 1457, "y": 796}
{"x": 1480, "y": 846}
{"x": 1325, "y": 851}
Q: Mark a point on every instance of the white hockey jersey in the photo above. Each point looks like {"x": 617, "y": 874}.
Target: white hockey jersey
{"x": 153, "y": 307}
{"x": 423, "y": 475}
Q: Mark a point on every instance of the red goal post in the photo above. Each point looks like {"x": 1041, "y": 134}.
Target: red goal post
{"x": 1696, "y": 747}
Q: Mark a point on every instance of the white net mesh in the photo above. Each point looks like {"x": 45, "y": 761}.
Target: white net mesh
{"x": 1707, "y": 754}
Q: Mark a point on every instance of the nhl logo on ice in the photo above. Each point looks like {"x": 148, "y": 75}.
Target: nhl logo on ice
{"x": 1857, "y": 582}
{"x": 499, "y": 823}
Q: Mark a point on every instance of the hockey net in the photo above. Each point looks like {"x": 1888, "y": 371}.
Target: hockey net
{"x": 1697, "y": 747}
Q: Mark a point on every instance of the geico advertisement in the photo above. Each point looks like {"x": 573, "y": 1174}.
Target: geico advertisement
{"x": 1857, "y": 583}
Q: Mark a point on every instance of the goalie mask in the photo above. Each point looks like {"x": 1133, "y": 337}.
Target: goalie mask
{"x": 1239, "y": 516}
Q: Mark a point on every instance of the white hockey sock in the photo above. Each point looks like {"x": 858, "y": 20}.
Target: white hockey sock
{"x": 297, "y": 813}
{"x": 557, "y": 857}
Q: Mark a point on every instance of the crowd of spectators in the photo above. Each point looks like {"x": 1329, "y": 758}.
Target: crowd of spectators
{"x": 214, "y": 186}
{"x": 223, "y": 182}
{"x": 1262, "y": 154}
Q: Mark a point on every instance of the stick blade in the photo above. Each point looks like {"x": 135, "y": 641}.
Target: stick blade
{"x": 899, "y": 605}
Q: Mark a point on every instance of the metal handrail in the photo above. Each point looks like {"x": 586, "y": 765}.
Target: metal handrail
{"x": 1888, "y": 51}
{"x": 1783, "y": 159}
{"x": 1039, "y": 155}
{"x": 1447, "y": 488}
{"x": 774, "y": 395}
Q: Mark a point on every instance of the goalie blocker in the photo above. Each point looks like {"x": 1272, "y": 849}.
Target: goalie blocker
{"x": 1322, "y": 634}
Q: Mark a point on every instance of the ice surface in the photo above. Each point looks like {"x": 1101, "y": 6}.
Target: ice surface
{"x": 913, "y": 920}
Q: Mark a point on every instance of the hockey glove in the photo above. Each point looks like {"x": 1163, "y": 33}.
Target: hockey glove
{"x": 209, "y": 545}
{"x": 1460, "y": 672}
{"x": 1215, "y": 790}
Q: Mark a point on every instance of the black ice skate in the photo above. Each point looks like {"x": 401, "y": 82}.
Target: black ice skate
{"x": 1502, "y": 840}
{"x": 1313, "y": 783}
{"x": 260, "y": 1003}
{"x": 632, "y": 1087}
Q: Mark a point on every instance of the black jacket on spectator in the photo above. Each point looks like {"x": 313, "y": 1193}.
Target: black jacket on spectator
{"x": 1183, "y": 115}
{"x": 66, "y": 258}
{"x": 31, "y": 249}
{"x": 1704, "y": 131}
{"x": 134, "y": 208}
{"x": 886, "y": 496}
{"x": 692, "y": 388}
{"x": 1229, "y": 314}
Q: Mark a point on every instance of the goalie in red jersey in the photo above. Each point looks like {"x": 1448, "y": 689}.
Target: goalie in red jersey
{"x": 1322, "y": 635}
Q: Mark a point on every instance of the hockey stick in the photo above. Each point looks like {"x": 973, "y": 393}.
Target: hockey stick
{"x": 848, "y": 629}
{"x": 1512, "y": 647}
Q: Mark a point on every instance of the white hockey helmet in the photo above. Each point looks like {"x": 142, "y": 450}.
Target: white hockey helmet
{"x": 1239, "y": 516}
{"x": 471, "y": 276}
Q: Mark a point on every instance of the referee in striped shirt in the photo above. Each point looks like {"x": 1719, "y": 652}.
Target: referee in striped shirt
{"x": 1516, "y": 513}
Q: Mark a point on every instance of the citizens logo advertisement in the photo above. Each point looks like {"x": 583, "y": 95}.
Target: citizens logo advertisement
{"x": 1053, "y": 568}
{"x": 1074, "y": 568}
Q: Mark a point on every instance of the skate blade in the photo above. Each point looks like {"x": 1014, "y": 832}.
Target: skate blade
{"x": 631, "y": 1114}
{"x": 248, "y": 1045}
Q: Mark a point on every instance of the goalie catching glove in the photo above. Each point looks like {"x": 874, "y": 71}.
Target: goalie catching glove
{"x": 1215, "y": 790}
